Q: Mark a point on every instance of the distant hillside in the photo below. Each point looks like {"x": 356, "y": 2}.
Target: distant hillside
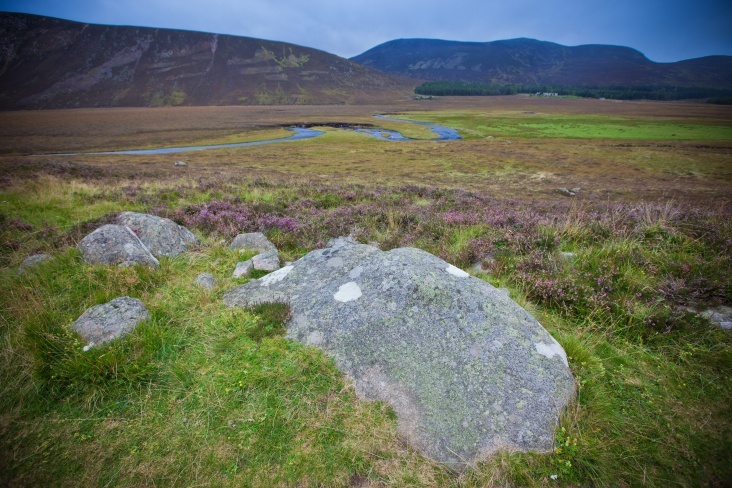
{"x": 52, "y": 63}
{"x": 528, "y": 61}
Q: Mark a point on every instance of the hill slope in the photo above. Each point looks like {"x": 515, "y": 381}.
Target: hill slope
{"x": 53, "y": 63}
{"x": 528, "y": 61}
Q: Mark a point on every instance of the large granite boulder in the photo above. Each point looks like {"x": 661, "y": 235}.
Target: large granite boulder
{"x": 115, "y": 244}
{"x": 108, "y": 321}
{"x": 163, "y": 237}
{"x": 252, "y": 241}
{"x": 466, "y": 369}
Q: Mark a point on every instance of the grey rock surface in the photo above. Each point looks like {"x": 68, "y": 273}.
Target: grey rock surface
{"x": 465, "y": 368}
{"x": 115, "y": 244}
{"x": 163, "y": 237}
{"x": 566, "y": 193}
{"x": 108, "y": 321}
{"x": 243, "y": 268}
{"x": 206, "y": 281}
{"x": 722, "y": 315}
{"x": 33, "y": 261}
{"x": 253, "y": 241}
{"x": 267, "y": 261}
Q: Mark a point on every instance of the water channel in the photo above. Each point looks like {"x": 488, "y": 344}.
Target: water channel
{"x": 299, "y": 133}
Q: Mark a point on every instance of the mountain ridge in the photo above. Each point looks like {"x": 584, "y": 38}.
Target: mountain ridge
{"x": 531, "y": 61}
{"x": 47, "y": 62}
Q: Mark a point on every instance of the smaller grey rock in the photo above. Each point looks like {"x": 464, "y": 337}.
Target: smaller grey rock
{"x": 721, "y": 315}
{"x": 108, "y": 321}
{"x": 115, "y": 244}
{"x": 243, "y": 268}
{"x": 566, "y": 192}
{"x": 567, "y": 255}
{"x": 180, "y": 163}
{"x": 483, "y": 265}
{"x": 206, "y": 281}
{"x": 253, "y": 241}
{"x": 267, "y": 261}
{"x": 575, "y": 190}
{"x": 33, "y": 261}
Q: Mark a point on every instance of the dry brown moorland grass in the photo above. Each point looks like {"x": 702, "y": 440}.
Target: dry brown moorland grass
{"x": 515, "y": 167}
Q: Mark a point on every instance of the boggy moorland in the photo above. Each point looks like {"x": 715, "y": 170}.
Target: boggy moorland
{"x": 620, "y": 274}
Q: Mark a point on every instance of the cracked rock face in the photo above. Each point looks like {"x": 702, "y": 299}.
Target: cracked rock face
{"x": 115, "y": 244}
{"x": 161, "y": 236}
{"x": 108, "y": 321}
{"x": 466, "y": 369}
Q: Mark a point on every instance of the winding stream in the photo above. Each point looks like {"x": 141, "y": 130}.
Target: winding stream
{"x": 300, "y": 133}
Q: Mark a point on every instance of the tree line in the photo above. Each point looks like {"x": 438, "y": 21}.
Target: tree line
{"x": 615, "y": 92}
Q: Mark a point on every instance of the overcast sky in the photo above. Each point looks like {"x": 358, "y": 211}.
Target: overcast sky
{"x": 664, "y": 30}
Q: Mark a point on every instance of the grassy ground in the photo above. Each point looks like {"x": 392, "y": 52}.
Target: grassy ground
{"x": 204, "y": 395}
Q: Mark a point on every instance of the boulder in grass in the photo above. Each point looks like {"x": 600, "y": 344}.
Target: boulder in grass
{"x": 108, "y": 321}
{"x": 206, "y": 281}
{"x": 466, "y": 369}
{"x": 33, "y": 262}
{"x": 162, "y": 236}
{"x": 267, "y": 261}
{"x": 243, "y": 269}
{"x": 721, "y": 315}
{"x": 115, "y": 244}
{"x": 253, "y": 241}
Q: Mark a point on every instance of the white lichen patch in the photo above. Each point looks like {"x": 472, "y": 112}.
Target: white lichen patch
{"x": 348, "y": 292}
{"x": 551, "y": 350}
{"x": 455, "y": 271}
{"x": 276, "y": 276}
{"x": 315, "y": 338}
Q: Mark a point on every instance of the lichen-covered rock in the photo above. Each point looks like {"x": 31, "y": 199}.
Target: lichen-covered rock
{"x": 466, "y": 369}
{"x": 253, "y": 241}
{"x": 115, "y": 244}
{"x": 108, "y": 321}
{"x": 206, "y": 281}
{"x": 267, "y": 261}
{"x": 33, "y": 261}
{"x": 163, "y": 237}
{"x": 243, "y": 268}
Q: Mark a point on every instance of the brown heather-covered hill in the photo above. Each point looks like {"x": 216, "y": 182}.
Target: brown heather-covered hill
{"x": 52, "y": 63}
{"x": 528, "y": 61}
